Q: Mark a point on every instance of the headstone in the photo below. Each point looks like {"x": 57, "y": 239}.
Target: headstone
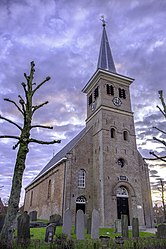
{"x": 2, "y": 219}
{"x": 10, "y": 236}
{"x": 23, "y": 228}
{"x": 56, "y": 218}
{"x": 67, "y": 222}
{"x": 50, "y": 232}
{"x": 33, "y": 215}
{"x": 161, "y": 231}
{"x": 124, "y": 218}
{"x": 80, "y": 224}
{"x": 95, "y": 224}
{"x": 135, "y": 227}
{"x": 118, "y": 226}
{"x": 89, "y": 223}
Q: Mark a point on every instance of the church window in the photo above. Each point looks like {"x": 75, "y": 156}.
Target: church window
{"x": 96, "y": 92}
{"x": 122, "y": 93}
{"x": 110, "y": 89}
{"x": 81, "y": 178}
{"x": 81, "y": 199}
{"x": 121, "y": 162}
{"x": 112, "y": 133}
{"x": 31, "y": 199}
{"x": 49, "y": 189}
{"x": 90, "y": 99}
{"x": 122, "y": 192}
{"x": 125, "y": 135}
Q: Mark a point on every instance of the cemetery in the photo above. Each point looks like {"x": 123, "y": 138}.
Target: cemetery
{"x": 28, "y": 232}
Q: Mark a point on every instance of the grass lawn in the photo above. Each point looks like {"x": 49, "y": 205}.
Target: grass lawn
{"x": 39, "y": 233}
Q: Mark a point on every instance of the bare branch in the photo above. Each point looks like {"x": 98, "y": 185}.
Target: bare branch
{"x": 11, "y": 122}
{"x": 38, "y": 106}
{"x": 31, "y": 140}
{"x": 24, "y": 86}
{"x": 162, "y": 101}
{"x": 22, "y": 102}
{"x": 41, "y": 126}
{"x": 162, "y": 158}
{"x": 159, "y": 129}
{"x": 161, "y": 111}
{"x": 160, "y": 141}
{"x": 154, "y": 159}
{"x": 11, "y": 101}
{"x": 7, "y": 136}
{"x": 15, "y": 146}
{"x": 38, "y": 86}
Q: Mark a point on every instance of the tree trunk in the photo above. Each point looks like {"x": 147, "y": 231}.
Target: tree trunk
{"x": 15, "y": 194}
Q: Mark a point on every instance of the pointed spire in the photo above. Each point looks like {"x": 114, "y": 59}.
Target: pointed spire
{"x": 105, "y": 60}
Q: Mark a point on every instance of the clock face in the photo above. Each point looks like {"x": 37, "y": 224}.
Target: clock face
{"x": 117, "y": 101}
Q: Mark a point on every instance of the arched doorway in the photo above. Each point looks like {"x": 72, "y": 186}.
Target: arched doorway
{"x": 80, "y": 203}
{"x": 122, "y": 202}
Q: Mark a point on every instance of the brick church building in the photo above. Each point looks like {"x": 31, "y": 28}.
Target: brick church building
{"x": 101, "y": 167}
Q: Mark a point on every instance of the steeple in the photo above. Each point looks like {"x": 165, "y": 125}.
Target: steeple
{"x": 105, "y": 60}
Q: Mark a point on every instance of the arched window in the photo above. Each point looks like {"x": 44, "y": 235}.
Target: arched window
{"x": 122, "y": 192}
{"x": 31, "y": 198}
{"x": 81, "y": 178}
{"x": 49, "y": 189}
{"x": 112, "y": 133}
{"x": 81, "y": 199}
{"x": 125, "y": 135}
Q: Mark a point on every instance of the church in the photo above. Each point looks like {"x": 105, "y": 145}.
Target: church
{"x": 101, "y": 167}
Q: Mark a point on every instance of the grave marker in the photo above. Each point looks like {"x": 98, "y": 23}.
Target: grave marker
{"x": 161, "y": 231}
{"x": 33, "y": 215}
{"x": 50, "y": 231}
{"x": 95, "y": 224}
{"x": 80, "y": 220}
{"x": 67, "y": 222}
{"x": 23, "y": 228}
{"x": 124, "y": 218}
{"x": 135, "y": 228}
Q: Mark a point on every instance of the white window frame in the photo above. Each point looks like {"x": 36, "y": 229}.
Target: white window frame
{"x": 81, "y": 178}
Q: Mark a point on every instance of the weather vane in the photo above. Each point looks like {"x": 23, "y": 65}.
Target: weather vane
{"x": 103, "y": 21}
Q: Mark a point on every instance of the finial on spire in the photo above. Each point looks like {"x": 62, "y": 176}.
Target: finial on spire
{"x": 103, "y": 21}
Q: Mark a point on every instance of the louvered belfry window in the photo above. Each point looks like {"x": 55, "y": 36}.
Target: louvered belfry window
{"x": 90, "y": 99}
{"x": 110, "y": 89}
{"x": 96, "y": 92}
{"x": 122, "y": 93}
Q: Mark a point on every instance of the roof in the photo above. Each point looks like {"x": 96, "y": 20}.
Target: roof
{"x": 105, "y": 60}
{"x": 60, "y": 156}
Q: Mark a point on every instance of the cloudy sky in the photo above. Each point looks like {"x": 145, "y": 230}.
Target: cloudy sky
{"x": 63, "y": 38}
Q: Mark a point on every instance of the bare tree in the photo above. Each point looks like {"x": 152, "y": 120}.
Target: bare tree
{"x": 161, "y": 189}
{"x": 163, "y": 142}
{"x": 27, "y": 110}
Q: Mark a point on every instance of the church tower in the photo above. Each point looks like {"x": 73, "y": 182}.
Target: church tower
{"x": 119, "y": 172}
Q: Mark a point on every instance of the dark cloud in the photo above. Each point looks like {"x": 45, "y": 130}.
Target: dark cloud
{"x": 63, "y": 38}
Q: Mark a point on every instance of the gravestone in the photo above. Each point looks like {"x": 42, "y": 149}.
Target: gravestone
{"x": 118, "y": 226}
{"x": 33, "y": 215}
{"x": 80, "y": 223}
{"x": 89, "y": 223}
{"x": 23, "y": 228}
{"x": 124, "y": 218}
{"x": 161, "y": 231}
{"x": 56, "y": 218}
{"x": 135, "y": 227}
{"x": 95, "y": 224}
{"x": 2, "y": 219}
{"x": 67, "y": 222}
{"x": 50, "y": 232}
